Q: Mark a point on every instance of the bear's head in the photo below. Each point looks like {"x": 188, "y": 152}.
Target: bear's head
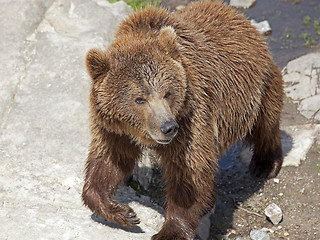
{"x": 141, "y": 83}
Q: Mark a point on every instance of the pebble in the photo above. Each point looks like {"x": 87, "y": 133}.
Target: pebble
{"x": 242, "y": 3}
{"x": 259, "y": 235}
{"x": 273, "y": 213}
{"x": 262, "y": 27}
{"x": 276, "y": 180}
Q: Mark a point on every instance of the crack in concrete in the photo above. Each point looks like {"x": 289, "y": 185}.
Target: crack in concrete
{"x": 313, "y": 117}
{"x": 28, "y": 60}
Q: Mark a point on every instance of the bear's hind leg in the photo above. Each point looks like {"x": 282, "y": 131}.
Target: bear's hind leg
{"x": 265, "y": 136}
{"x": 267, "y": 155}
{"x": 105, "y": 170}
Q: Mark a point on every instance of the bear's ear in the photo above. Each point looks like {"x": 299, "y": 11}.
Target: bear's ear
{"x": 167, "y": 40}
{"x": 97, "y": 63}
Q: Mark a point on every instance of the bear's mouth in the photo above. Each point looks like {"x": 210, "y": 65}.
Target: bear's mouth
{"x": 164, "y": 141}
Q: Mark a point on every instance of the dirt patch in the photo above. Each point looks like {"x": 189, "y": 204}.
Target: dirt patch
{"x": 242, "y": 200}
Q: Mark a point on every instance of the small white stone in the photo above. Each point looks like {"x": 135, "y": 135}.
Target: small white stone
{"x": 259, "y": 235}
{"x": 274, "y": 213}
{"x": 242, "y": 3}
{"x": 263, "y": 27}
{"x": 276, "y": 180}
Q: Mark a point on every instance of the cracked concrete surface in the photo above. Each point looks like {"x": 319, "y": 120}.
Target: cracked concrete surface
{"x": 302, "y": 78}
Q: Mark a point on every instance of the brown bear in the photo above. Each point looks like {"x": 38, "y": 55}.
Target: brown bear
{"x": 187, "y": 84}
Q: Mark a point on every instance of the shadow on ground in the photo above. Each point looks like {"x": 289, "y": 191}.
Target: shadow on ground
{"x": 95, "y": 217}
{"x": 235, "y": 185}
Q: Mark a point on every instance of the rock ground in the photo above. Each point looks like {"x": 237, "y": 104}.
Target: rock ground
{"x": 44, "y": 136}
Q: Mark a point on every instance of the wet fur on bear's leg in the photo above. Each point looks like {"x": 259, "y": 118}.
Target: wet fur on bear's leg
{"x": 183, "y": 218}
{"x": 105, "y": 170}
{"x": 187, "y": 203}
{"x": 190, "y": 182}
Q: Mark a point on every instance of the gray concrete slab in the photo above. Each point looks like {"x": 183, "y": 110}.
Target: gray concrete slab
{"x": 302, "y": 78}
{"x": 18, "y": 19}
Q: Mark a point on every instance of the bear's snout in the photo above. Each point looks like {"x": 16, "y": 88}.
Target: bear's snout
{"x": 169, "y": 128}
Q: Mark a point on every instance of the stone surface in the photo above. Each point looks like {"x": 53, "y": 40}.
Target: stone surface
{"x": 203, "y": 230}
{"x": 242, "y": 3}
{"x": 259, "y": 235}
{"x": 273, "y": 213}
{"x": 18, "y": 19}
{"x": 302, "y": 84}
{"x": 310, "y": 107}
{"x": 263, "y": 27}
{"x": 296, "y": 142}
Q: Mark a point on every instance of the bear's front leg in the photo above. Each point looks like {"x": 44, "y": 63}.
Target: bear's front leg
{"x": 190, "y": 193}
{"x": 110, "y": 161}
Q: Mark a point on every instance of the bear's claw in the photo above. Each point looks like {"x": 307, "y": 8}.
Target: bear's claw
{"x": 125, "y": 216}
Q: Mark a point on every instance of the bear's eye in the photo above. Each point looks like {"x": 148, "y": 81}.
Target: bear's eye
{"x": 140, "y": 100}
{"x": 168, "y": 94}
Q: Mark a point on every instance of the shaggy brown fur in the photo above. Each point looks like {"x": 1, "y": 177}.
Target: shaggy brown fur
{"x": 204, "y": 70}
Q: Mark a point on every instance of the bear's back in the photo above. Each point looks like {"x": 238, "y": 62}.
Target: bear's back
{"x": 224, "y": 57}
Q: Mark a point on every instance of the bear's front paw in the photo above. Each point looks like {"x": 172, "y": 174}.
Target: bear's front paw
{"x": 126, "y": 216}
{"x": 120, "y": 213}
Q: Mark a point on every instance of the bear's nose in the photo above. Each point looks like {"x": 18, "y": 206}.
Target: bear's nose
{"x": 169, "y": 128}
